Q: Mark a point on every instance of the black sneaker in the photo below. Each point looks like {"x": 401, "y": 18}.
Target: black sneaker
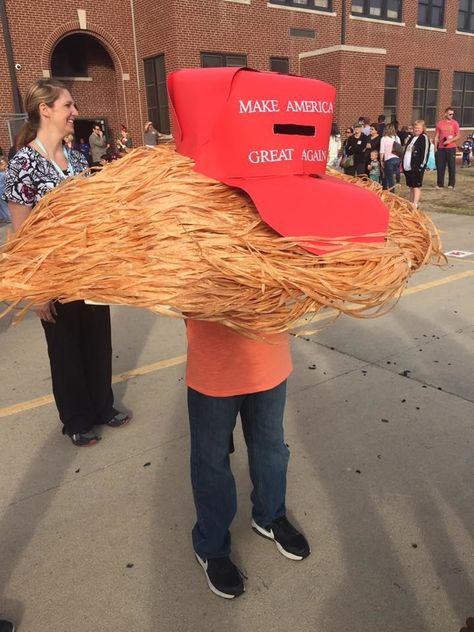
{"x": 6, "y": 626}
{"x": 223, "y": 577}
{"x": 289, "y": 541}
{"x": 83, "y": 440}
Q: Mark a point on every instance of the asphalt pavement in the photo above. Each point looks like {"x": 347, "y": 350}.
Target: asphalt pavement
{"x": 380, "y": 426}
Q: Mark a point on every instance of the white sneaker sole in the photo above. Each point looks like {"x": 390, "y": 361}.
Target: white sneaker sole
{"x": 215, "y": 590}
{"x": 269, "y": 535}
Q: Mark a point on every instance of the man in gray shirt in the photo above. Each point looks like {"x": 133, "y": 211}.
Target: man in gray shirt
{"x": 98, "y": 144}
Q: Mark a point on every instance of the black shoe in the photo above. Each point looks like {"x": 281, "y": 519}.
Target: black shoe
{"x": 6, "y": 626}
{"x": 118, "y": 420}
{"x": 223, "y": 577}
{"x": 83, "y": 440}
{"x": 289, "y": 541}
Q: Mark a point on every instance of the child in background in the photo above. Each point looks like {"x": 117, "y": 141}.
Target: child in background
{"x": 374, "y": 166}
{"x": 466, "y": 152}
{"x": 4, "y": 212}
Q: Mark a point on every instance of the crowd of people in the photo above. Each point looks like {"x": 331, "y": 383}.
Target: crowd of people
{"x": 382, "y": 151}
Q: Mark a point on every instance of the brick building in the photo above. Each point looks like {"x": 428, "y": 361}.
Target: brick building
{"x": 407, "y": 58}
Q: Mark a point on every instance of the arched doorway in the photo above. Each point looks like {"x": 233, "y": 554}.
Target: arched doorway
{"x": 84, "y": 64}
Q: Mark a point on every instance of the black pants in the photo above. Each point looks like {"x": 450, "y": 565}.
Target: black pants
{"x": 446, "y": 157}
{"x": 80, "y": 355}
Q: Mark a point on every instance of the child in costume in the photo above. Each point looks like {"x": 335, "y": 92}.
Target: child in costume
{"x": 228, "y": 374}
{"x": 262, "y": 140}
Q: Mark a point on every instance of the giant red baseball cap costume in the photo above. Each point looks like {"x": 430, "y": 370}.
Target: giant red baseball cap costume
{"x": 268, "y": 134}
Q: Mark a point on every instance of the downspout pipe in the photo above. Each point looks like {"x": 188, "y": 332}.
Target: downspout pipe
{"x": 343, "y": 22}
{"x": 10, "y": 61}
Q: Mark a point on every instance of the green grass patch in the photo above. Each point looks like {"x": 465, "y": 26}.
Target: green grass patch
{"x": 433, "y": 200}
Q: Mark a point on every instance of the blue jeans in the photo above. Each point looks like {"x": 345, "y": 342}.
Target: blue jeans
{"x": 212, "y": 421}
{"x": 390, "y": 168}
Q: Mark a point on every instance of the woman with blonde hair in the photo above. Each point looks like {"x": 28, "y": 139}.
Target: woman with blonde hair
{"x": 78, "y": 335}
{"x": 389, "y": 160}
{"x": 414, "y": 160}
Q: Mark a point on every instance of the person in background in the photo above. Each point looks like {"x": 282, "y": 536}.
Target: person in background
{"x": 366, "y": 126}
{"x": 124, "y": 143}
{"x": 356, "y": 146}
{"x": 373, "y": 167}
{"x": 445, "y": 142}
{"x": 466, "y": 149}
{"x": 334, "y": 146}
{"x": 13, "y": 149}
{"x": 151, "y": 135}
{"x": 347, "y": 165}
{"x": 69, "y": 141}
{"x": 4, "y": 212}
{"x": 374, "y": 138}
{"x": 78, "y": 335}
{"x": 389, "y": 161}
{"x": 414, "y": 160}
{"x": 85, "y": 149}
{"x": 405, "y": 133}
{"x": 381, "y": 124}
{"x": 98, "y": 145}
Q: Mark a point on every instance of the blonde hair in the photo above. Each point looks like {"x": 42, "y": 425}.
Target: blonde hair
{"x": 42, "y": 91}
{"x": 3, "y": 163}
{"x": 420, "y": 122}
{"x": 390, "y": 130}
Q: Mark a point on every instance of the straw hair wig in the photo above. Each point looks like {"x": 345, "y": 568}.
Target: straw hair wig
{"x": 149, "y": 231}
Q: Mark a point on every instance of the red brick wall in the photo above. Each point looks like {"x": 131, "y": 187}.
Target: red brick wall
{"x": 347, "y": 71}
{"x": 182, "y": 29}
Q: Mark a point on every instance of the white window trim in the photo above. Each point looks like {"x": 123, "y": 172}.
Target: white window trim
{"x": 466, "y": 128}
{"x": 343, "y": 47}
{"x": 431, "y": 28}
{"x": 464, "y": 33}
{"x": 364, "y": 19}
{"x": 301, "y": 10}
{"x": 239, "y": 1}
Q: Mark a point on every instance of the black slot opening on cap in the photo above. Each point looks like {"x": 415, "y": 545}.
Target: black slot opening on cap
{"x": 294, "y": 130}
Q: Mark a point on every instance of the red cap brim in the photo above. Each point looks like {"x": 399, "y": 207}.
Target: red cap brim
{"x": 322, "y": 207}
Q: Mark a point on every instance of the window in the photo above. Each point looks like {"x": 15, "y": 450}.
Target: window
{"x": 302, "y": 33}
{"x": 425, "y": 95}
{"x": 70, "y": 57}
{"x": 466, "y": 16}
{"x": 157, "y": 93}
{"x": 463, "y": 98}
{"x": 216, "y": 60}
{"x": 431, "y": 13}
{"x": 317, "y": 5}
{"x": 391, "y": 93}
{"x": 378, "y": 9}
{"x": 280, "y": 64}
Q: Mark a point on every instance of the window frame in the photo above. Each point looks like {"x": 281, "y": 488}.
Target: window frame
{"x": 158, "y": 113}
{"x": 365, "y": 13}
{"x": 225, "y": 57}
{"x": 468, "y": 17}
{"x": 460, "y": 109}
{"x": 310, "y": 6}
{"x": 387, "y": 108}
{"x": 429, "y": 20}
{"x": 280, "y": 59}
{"x": 430, "y": 122}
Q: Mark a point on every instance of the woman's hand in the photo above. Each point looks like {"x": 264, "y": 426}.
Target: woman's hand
{"x": 46, "y": 312}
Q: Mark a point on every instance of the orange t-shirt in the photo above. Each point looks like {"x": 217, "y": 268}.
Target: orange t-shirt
{"x": 222, "y": 362}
